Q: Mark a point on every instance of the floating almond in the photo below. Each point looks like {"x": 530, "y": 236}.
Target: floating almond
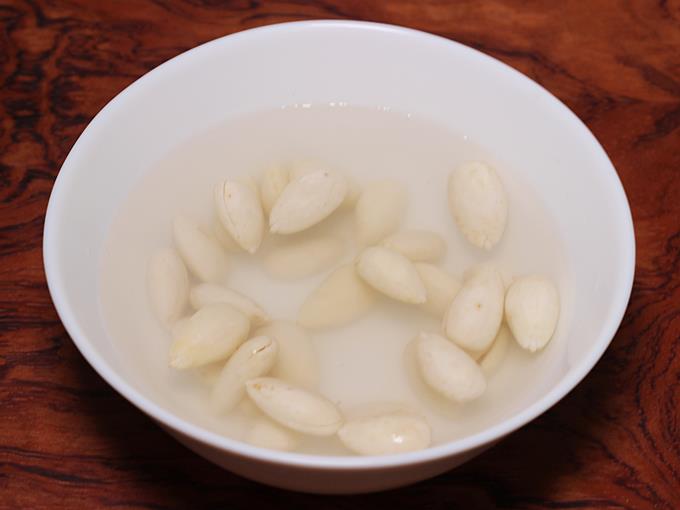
{"x": 493, "y": 358}
{"x": 385, "y": 434}
{"x": 274, "y": 181}
{"x": 206, "y": 294}
{"x": 448, "y": 369}
{"x": 476, "y": 311}
{"x": 341, "y": 298}
{"x": 211, "y": 334}
{"x": 239, "y": 210}
{"x": 294, "y": 407}
{"x": 296, "y": 360}
{"x": 305, "y": 257}
{"x": 532, "y": 307}
{"x": 417, "y": 245}
{"x": 379, "y": 210}
{"x": 266, "y": 433}
{"x": 478, "y": 204}
{"x": 306, "y": 201}
{"x": 201, "y": 253}
{"x": 392, "y": 274}
{"x": 168, "y": 285}
{"x": 440, "y": 286}
{"x": 253, "y": 358}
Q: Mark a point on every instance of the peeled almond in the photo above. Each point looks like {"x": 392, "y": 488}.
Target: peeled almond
{"x": 224, "y": 238}
{"x": 296, "y": 360}
{"x": 385, "y": 434}
{"x": 379, "y": 210}
{"x": 273, "y": 182}
{"x": 253, "y": 358}
{"x": 341, "y": 298}
{"x": 206, "y": 294}
{"x": 294, "y": 407}
{"x": 478, "y": 204}
{"x": 306, "y": 201}
{"x": 448, "y": 369}
{"x": 211, "y": 334}
{"x": 392, "y": 274}
{"x": 266, "y": 433}
{"x": 440, "y": 286}
{"x": 168, "y": 285}
{"x": 201, "y": 253}
{"x": 239, "y": 211}
{"x": 305, "y": 257}
{"x": 476, "y": 311}
{"x": 532, "y": 307}
{"x": 496, "y": 354}
{"x": 417, "y": 245}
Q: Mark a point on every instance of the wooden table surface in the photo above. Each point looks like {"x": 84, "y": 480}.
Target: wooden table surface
{"x": 67, "y": 440}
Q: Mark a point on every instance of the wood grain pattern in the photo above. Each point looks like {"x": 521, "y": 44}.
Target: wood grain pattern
{"x": 68, "y": 441}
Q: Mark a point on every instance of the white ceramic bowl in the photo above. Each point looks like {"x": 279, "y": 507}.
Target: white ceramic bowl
{"x": 363, "y": 64}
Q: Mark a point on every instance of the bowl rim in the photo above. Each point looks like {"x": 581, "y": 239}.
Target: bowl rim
{"x": 484, "y": 437}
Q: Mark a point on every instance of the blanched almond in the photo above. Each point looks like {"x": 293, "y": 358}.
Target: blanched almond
{"x": 417, "y": 245}
{"x": 201, "y": 253}
{"x": 307, "y": 200}
{"x": 224, "y": 238}
{"x": 341, "y": 298}
{"x": 273, "y": 182}
{"x": 168, "y": 285}
{"x": 305, "y": 257}
{"x": 448, "y": 369}
{"x": 211, "y": 334}
{"x": 266, "y": 433}
{"x": 392, "y": 274}
{"x": 379, "y": 210}
{"x": 294, "y": 407}
{"x": 440, "y": 286}
{"x": 206, "y": 294}
{"x": 385, "y": 434}
{"x": 239, "y": 210}
{"x": 253, "y": 358}
{"x": 493, "y": 358}
{"x": 478, "y": 203}
{"x": 532, "y": 307}
{"x": 476, "y": 312}
{"x": 296, "y": 360}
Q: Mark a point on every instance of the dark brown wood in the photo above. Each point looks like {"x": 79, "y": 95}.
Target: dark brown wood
{"x": 68, "y": 441}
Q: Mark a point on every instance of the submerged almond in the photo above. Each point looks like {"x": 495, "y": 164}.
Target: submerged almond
{"x": 478, "y": 204}
{"x": 294, "y": 407}
{"x": 305, "y": 257}
{"x": 206, "y": 294}
{"x": 253, "y": 358}
{"x": 240, "y": 212}
{"x": 440, "y": 286}
{"x": 211, "y": 334}
{"x": 417, "y": 245}
{"x": 307, "y": 200}
{"x": 296, "y": 360}
{"x": 341, "y": 298}
{"x": 532, "y": 307}
{"x": 493, "y": 358}
{"x": 392, "y": 274}
{"x": 266, "y": 433}
{"x": 168, "y": 285}
{"x": 476, "y": 311}
{"x": 379, "y": 210}
{"x": 448, "y": 369}
{"x": 273, "y": 182}
{"x": 201, "y": 253}
{"x": 385, "y": 434}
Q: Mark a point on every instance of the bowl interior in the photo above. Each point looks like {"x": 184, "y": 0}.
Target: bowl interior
{"x": 365, "y": 65}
